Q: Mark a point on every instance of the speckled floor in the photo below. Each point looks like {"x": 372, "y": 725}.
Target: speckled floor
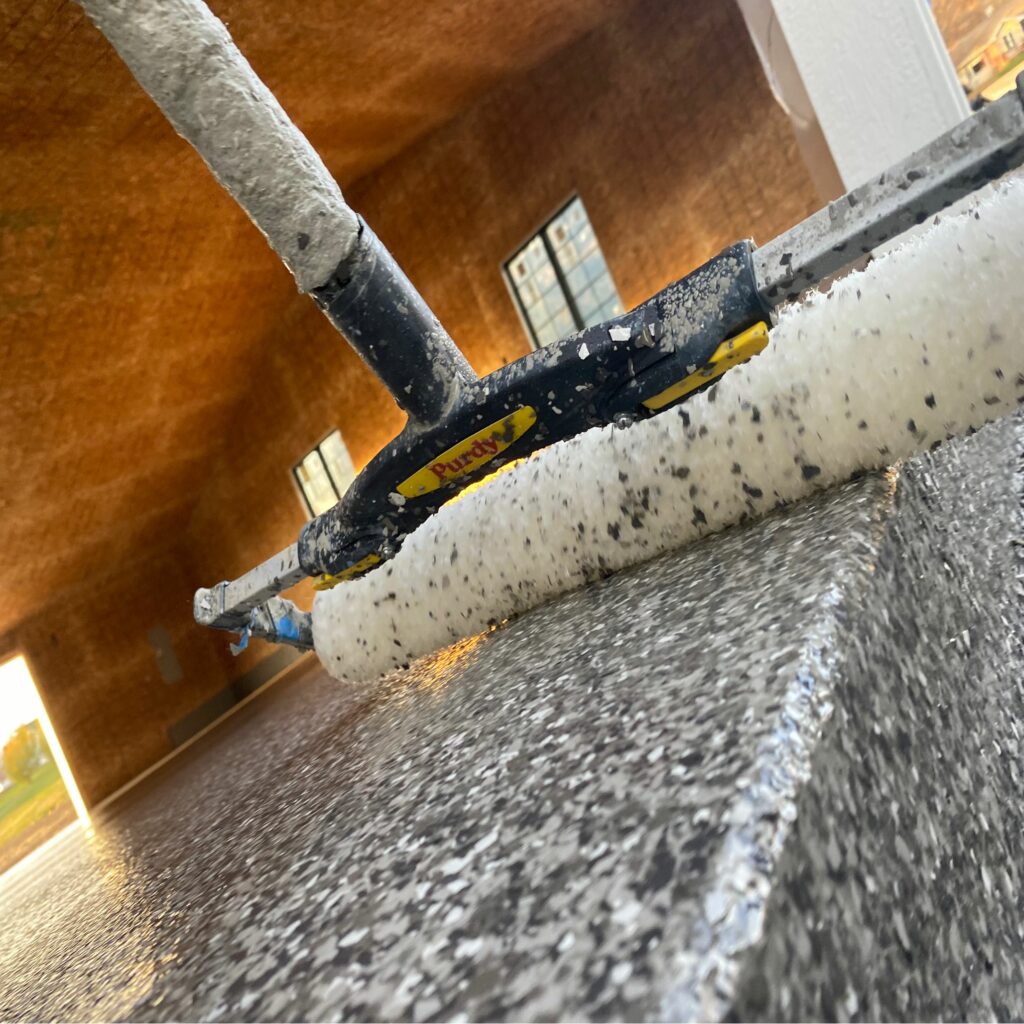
{"x": 774, "y": 775}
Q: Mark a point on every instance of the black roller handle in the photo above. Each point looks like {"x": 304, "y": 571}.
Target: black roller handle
{"x": 600, "y": 375}
{"x": 385, "y": 319}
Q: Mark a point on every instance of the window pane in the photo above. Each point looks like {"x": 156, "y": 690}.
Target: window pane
{"x": 599, "y": 313}
{"x": 544, "y": 295}
{"x": 595, "y": 265}
{"x": 604, "y": 298}
{"x": 315, "y": 483}
{"x": 567, "y": 256}
{"x": 563, "y": 323}
{"x": 567, "y": 222}
{"x": 538, "y": 315}
{"x": 554, "y": 301}
{"x": 586, "y": 303}
{"x": 603, "y": 287}
{"x": 535, "y": 254}
{"x": 583, "y": 264}
{"x": 338, "y": 461}
{"x": 540, "y": 292}
{"x": 547, "y": 334}
{"x": 528, "y": 292}
{"x": 544, "y": 276}
{"x": 519, "y": 270}
{"x": 583, "y": 243}
{"x": 577, "y": 280}
{"x": 558, "y": 234}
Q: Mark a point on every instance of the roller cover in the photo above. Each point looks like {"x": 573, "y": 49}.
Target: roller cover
{"x": 924, "y": 344}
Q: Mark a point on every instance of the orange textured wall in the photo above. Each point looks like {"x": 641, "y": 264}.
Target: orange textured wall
{"x": 659, "y": 119}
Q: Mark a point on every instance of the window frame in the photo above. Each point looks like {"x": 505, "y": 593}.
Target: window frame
{"x": 541, "y": 232}
{"x": 296, "y": 465}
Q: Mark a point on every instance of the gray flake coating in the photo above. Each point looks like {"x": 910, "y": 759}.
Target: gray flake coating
{"x": 185, "y": 59}
{"x": 774, "y": 775}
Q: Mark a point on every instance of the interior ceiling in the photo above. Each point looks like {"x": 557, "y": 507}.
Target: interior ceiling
{"x": 133, "y": 292}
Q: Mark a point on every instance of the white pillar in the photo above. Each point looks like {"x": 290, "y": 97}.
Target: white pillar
{"x": 866, "y": 82}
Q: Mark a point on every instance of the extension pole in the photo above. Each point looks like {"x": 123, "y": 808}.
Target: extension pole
{"x": 185, "y": 59}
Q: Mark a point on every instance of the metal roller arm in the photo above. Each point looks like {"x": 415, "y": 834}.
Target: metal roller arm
{"x": 975, "y": 152}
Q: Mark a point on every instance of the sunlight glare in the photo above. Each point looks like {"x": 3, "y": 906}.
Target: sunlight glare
{"x": 19, "y": 704}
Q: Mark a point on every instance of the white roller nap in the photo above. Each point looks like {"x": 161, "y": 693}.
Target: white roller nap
{"x": 926, "y": 343}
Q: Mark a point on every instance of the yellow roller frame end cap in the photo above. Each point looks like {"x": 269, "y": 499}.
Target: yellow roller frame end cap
{"x": 364, "y": 565}
{"x": 730, "y": 353}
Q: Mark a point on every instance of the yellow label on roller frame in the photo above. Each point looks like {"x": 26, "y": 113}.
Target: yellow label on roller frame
{"x": 364, "y": 565}
{"x": 729, "y": 354}
{"x": 470, "y": 453}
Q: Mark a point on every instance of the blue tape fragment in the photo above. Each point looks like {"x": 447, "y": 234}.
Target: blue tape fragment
{"x": 286, "y": 629}
{"x": 243, "y": 642}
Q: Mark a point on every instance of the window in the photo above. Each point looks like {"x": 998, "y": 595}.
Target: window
{"x": 324, "y": 474}
{"x": 560, "y": 279}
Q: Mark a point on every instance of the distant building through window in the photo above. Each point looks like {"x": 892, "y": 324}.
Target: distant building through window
{"x": 324, "y": 474}
{"x": 560, "y": 280}
{"x": 988, "y": 50}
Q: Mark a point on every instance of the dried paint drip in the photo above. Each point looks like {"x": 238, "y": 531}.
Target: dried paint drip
{"x": 925, "y": 344}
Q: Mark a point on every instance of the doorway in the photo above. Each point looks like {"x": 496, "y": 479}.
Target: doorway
{"x": 38, "y": 795}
